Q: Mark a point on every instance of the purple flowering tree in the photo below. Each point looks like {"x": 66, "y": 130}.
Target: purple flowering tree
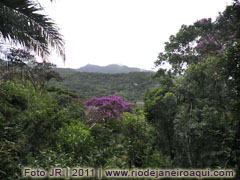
{"x": 205, "y": 38}
{"x": 104, "y": 108}
{"x": 105, "y": 121}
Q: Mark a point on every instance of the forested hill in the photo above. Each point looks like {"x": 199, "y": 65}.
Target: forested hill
{"x": 130, "y": 86}
{"x": 111, "y": 68}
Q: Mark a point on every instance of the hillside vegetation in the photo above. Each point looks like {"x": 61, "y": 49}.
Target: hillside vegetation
{"x": 130, "y": 86}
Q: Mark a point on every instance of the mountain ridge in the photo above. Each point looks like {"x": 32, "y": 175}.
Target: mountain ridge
{"x": 111, "y": 69}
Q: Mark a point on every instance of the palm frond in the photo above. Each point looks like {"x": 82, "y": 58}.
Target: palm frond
{"x": 21, "y": 23}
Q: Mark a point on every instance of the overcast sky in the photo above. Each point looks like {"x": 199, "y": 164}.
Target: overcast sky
{"x": 128, "y": 32}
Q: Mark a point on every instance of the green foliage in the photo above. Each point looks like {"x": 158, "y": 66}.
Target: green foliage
{"x": 29, "y": 124}
{"x": 138, "y": 143}
{"x": 47, "y": 129}
{"x": 160, "y": 108}
{"x": 130, "y": 86}
{"x": 196, "y": 106}
{"x": 76, "y": 140}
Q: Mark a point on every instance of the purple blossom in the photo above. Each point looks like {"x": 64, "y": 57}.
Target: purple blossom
{"x": 100, "y": 109}
{"x": 231, "y": 37}
{"x": 206, "y": 42}
{"x": 203, "y": 21}
{"x": 215, "y": 43}
{"x": 202, "y": 44}
{"x": 223, "y": 48}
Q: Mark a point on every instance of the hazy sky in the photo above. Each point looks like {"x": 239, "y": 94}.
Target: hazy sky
{"x": 129, "y": 32}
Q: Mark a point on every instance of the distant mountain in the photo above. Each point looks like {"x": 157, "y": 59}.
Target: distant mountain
{"x": 112, "y": 69}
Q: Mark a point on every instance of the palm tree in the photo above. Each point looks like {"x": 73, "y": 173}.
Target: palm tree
{"x": 21, "y": 23}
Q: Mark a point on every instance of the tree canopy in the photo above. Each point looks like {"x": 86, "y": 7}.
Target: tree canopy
{"x": 197, "y": 103}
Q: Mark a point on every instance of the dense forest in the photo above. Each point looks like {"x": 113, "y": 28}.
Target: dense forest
{"x": 130, "y": 86}
{"x": 190, "y": 118}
